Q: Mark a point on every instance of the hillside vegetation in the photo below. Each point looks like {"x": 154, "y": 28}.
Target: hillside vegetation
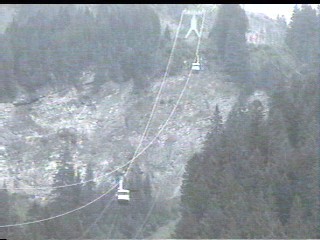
{"x": 238, "y": 159}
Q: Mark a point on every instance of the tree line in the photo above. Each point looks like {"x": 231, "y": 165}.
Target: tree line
{"x": 49, "y": 46}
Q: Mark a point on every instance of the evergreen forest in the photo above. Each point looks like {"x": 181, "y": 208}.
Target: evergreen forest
{"x": 257, "y": 173}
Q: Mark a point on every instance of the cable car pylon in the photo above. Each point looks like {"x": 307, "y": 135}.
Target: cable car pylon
{"x": 193, "y": 22}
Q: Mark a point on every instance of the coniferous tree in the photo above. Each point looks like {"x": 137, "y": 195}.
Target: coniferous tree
{"x": 228, "y": 35}
{"x": 297, "y": 227}
{"x": 279, "y": 147}
{"x": 302, "y": 35}
{"x": 147, "y": 193}
{"x": 35, "y": 231}
{"x": 88, "y": 193}
{"x": 194, "y": 197}
{"x": 236, "y": 56}
{"x": 64, "y": 176}
{"x": 65, "y": 198}
{"x": 89, "y": 187}
{"x": 217, "y": 120}
{"x": 293, "y": 29}
{"x": 218, "y": 33}
{"x": 215, "y": 131}
{"x": 4, "y": 210}
{"x": 257, "y": 135}
{"x": 15, "y": 217}
{"x": 167, "y": 34}
{"x": 281, "y": 20}
{"x": 7, "y": 80}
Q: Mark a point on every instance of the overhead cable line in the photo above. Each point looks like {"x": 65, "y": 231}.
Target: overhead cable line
{"x": 154, "y": 202}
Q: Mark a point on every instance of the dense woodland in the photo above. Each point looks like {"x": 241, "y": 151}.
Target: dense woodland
{"x": 50, "y": 46}
{"x": 257, "y": 175}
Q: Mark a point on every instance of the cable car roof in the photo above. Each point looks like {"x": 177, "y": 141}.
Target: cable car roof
{"x": 123, "y": 190}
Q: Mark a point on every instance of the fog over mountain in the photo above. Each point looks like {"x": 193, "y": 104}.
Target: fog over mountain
{"x": 159, "y": 121}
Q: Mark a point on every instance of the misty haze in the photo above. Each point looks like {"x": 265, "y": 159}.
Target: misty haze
{"x": 159, "y": 121}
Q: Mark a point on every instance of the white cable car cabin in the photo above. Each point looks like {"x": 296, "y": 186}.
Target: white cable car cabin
{"x": 196, "y": 65}
{"x": 123, "y": 195}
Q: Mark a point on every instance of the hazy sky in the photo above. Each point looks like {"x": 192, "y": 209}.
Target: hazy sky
{"x": 272, "y": 10}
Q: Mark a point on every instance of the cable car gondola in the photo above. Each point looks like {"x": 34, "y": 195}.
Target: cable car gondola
{"x": 123, "y": 195}
{"x": 196, "y": 65}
